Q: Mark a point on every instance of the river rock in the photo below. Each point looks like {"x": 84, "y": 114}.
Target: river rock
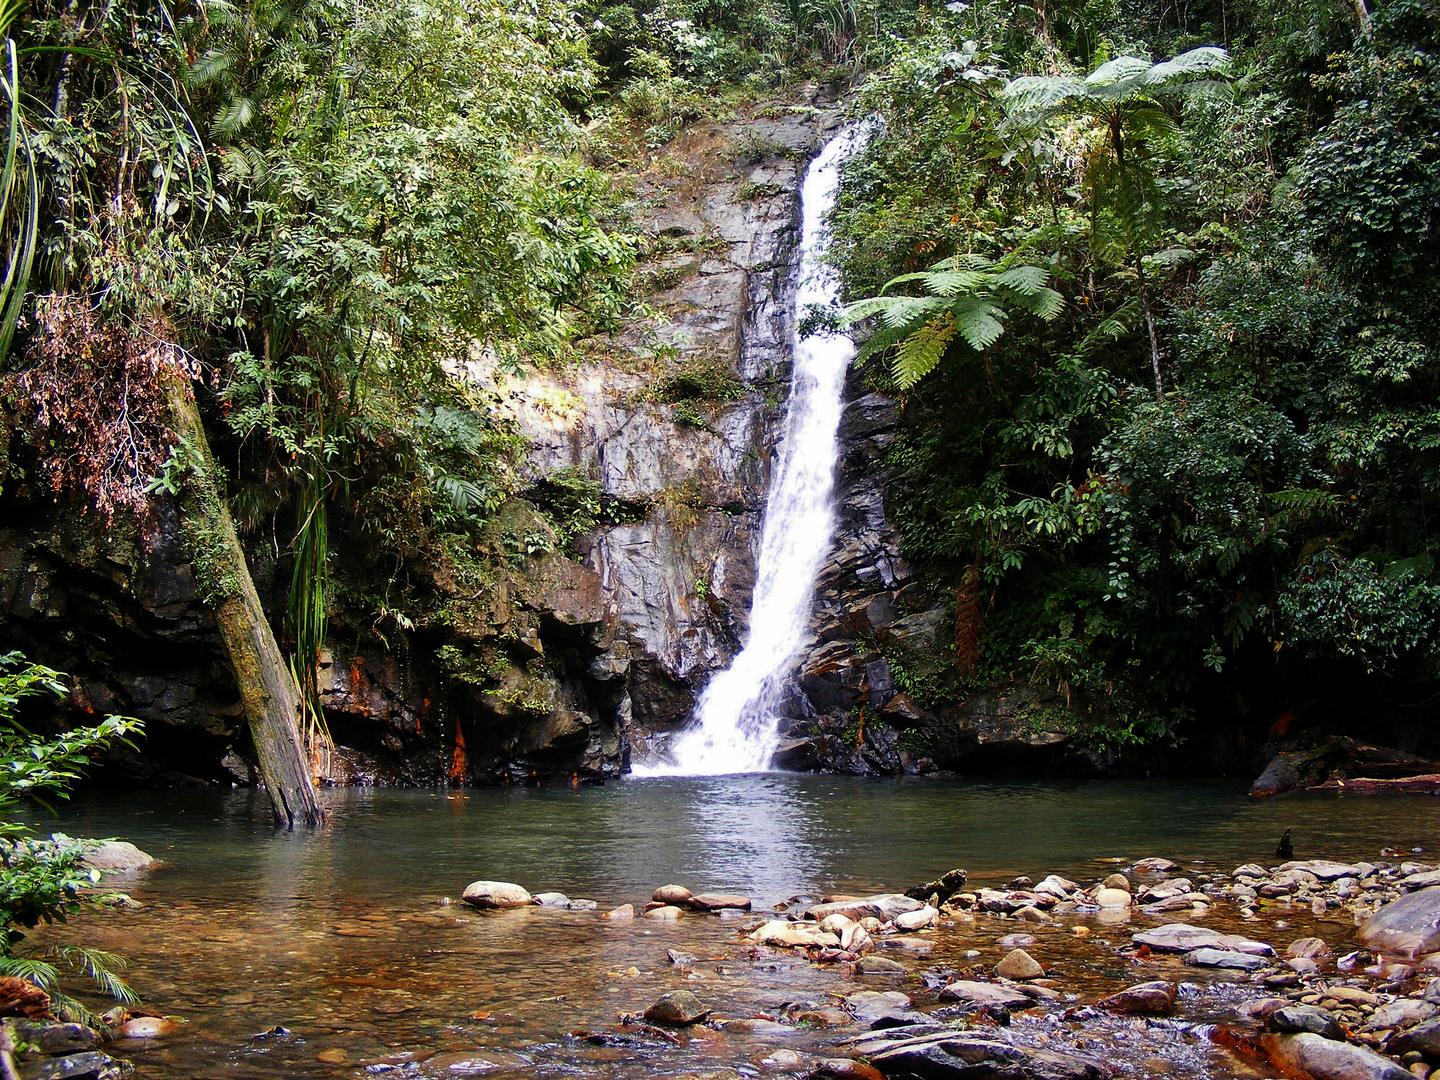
{"x": 92, "y": 1065}
{"x": 984, "y": 993}
{"x": 115, "y": 856}
{"x": 53, "y": 1038}
{"x": 1154, "y": 866}
{"x": 1224, "y": 958}
{"x": 678, "y": 1008}
{"x": 663, "y": 913}
{"x": 1182, "y": 937}
{"x": 1309, "y": 948}
{"x": 856, "y": 939}
{"x": 1406, "y": 928}
{"x": 750, "y": 1026}
{"x": 1144, "y": 999}
{"x": 1402, "y": 1013}
{"x": 718, "y": 902}
{"x": 1300, "y": 1019}
{"x": 882, "y": 906}
{"x": 916, "y": 920}
{"x": 1057, "y": 886}
{"x": 1019, "y": 966}
{"x": 1327, "y": 1059}
{"x": 1116, "y": 881}
{"x": 792, "y": 935}
{"x": 879, "y": 965}
{"x": 1424, "y": 1038}
{"x": 845, "y": 1069}
{"x": 871, "y": 1004}
{"x": 967, "y": 1056}
{"x": 495, "y": 894}
{"x": 671, "y": 894}
{"x": 1324, "y": 869}
{"x": 550, "y": 899}
{"x": 1113, "y": 898}
{"x": 624, "y": 911}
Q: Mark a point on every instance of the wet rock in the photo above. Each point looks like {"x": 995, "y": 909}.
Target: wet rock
{"x": 671, "y": 894}
{"x": 979, "y": 1057}
{"x": 1323, "y": 869}
{"x": 88, "y": 1066}
{"x": 115, "y": 856}
{"x": 1019, "y": 966}
{"x": 678, "y": 1008}
{"x": 664, "y": 913}
{"x": 718, "y": 902}
{"x": 942, "y": 888}
{"x": 1182, "y": 937}
{"x": 1326, "y": 1059}
{"x": 1300, "y": 1019}
{"x": 791, "y": 935}
{"x": 495, "y": 894}
{"x": 783, "y": 1061}
{"x": 983, "y": 993}
{"x": 54, "y": 1038}
{"x": 1407, "y": 928}
{"x": 582, "y": 905}
{"x": 1309, "y": 948}
{"x": 916, "y": 920}
{"x": 1144, "y": 999}
{"x": 1404, "y": 1013}
{"x": 1017, "y": 941}
{"x": 882, "y": 906}
{"x": 1424, "y": 1038}
{"x": 149, "y": 1027}
{"x": 1113, "y": 898}
{"x": 879, "y": 965}
{"x": 845, "y": 1069}
{"x": 869, "y": 1005}
{"x": 1116, "y": 881}
{"x": 621, "y": 913}
{"x": 1223, "y": 958}
{"x": 1154, "y": 866}
{"x": 748, "y": 1026}
{"x": 550, "y": 899}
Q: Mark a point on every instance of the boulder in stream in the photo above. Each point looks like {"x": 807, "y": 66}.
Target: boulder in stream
{"x": 975, "y": 1056}
{"x": 1407, "y": 928}
{"x": 1155, "y": 998}
{"x": 1327, "y": 1059}
{"x": 678, "y": 1008}
{"x": 495, "y": 894}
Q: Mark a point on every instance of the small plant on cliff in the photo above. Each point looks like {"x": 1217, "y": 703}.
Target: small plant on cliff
{"x": 42, "y": 881}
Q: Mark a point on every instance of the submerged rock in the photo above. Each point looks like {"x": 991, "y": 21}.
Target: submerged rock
{"x": 495, "y": 894}
{"x": 719, "y": 902}
{"x": 92, "y": 1065}
{"x": 1326, "y": 1059}
{"x": 966, "y": 1056}
{"x": 1302, "y": 1019}
{"x": 1144, "y": 999}
{"x": 1020, "y": 966}
{"x": 1408, "y": 927}
{"x": 983, "y": 993}
{"x": 678, "y": 1008}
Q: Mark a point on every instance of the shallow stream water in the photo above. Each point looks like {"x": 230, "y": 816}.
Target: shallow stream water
{"x": 343, "y": 939}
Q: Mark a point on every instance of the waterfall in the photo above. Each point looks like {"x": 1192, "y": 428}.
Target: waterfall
{"x": 736, "y": 717}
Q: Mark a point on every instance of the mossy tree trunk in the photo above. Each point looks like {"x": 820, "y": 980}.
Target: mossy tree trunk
{"x": 268, "y": 690}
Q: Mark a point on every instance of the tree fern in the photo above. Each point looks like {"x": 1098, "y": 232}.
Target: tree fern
{"x": 971, "y": 296}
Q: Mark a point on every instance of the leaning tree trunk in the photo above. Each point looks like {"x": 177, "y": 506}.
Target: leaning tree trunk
{"x": 267, "y": 688}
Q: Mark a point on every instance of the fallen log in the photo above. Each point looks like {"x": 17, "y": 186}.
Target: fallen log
{"x": 1428, "y": 784}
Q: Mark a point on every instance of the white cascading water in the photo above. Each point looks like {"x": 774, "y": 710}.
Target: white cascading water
{"x": 737, "y": 720}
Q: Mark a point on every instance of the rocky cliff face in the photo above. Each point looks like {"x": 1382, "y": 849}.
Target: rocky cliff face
{"x": 555, "y": 664}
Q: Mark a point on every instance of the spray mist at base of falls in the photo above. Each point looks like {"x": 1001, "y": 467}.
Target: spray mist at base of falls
{"x": 737, "y": 718}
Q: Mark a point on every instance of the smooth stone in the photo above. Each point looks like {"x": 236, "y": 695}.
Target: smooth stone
{"x": 1406, "y": 928}
{"x": 967, "y": 1056}
{"x": 916, "y": 920}
{"x": 582, "y": 905}
{"x": 792, "y": 935}
{"x": 678, "y": 1008}
{"x": 1017, "y": 941}
{"x": 845, "y": 1069}
{"x": 718, "y": 902}
{"x": 495, "y": 894}
{"x": 1113, "y": 898}
{"x": 1324, "y": 869}
{"x": 550, "y": 899}
{"x": 872, "y": 1004}
{"x": 1154, "y": 866}
{"x": 855, "y": 938}
{"x": 1019, "y": 966}
{"x": 115, "y": 856}
{"x": 1182, "y": 937}
{"x": 1300, "y": 1019}
{"x": 879, "y": 965}
{"x": 824, "y": 1017}
{"x": 882, "y": 906}
{"x": 1424, "y": 1038}
{"x": 1403, "y": 1013}
{"x": 748, "y": 1026}
{"x": 1327, "y": 1059}
{"x": 1308, "y": 948}
{"x": 1116, "y": 881}
{"x": 671, "y": 894}
{"x": 148, "y": 1027}
{"x": 624, "y": 911}
{"x": 663, "y": 913}
{"x": 983, "y": 993}
{"x": 1155, "y": 998}
{"x": 783, "y": 1061}
{"x": 1223, "y": 958}
{"x": 72, "y": 1067}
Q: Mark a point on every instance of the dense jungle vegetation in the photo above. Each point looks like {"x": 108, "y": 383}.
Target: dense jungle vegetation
{"x": 1166, "y": 338}
{"x": 1167, "y": 366}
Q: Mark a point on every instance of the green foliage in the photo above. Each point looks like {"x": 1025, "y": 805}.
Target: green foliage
{"x": 44, "y": 881}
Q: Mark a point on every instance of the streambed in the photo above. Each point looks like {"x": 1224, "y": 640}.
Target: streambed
{"x": 343, "y": 940}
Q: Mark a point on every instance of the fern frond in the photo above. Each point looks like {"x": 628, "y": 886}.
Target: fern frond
{"x": 922, "y": 350}
{"x": 1122, "y": 67}
{"x": 978, "y": 322}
